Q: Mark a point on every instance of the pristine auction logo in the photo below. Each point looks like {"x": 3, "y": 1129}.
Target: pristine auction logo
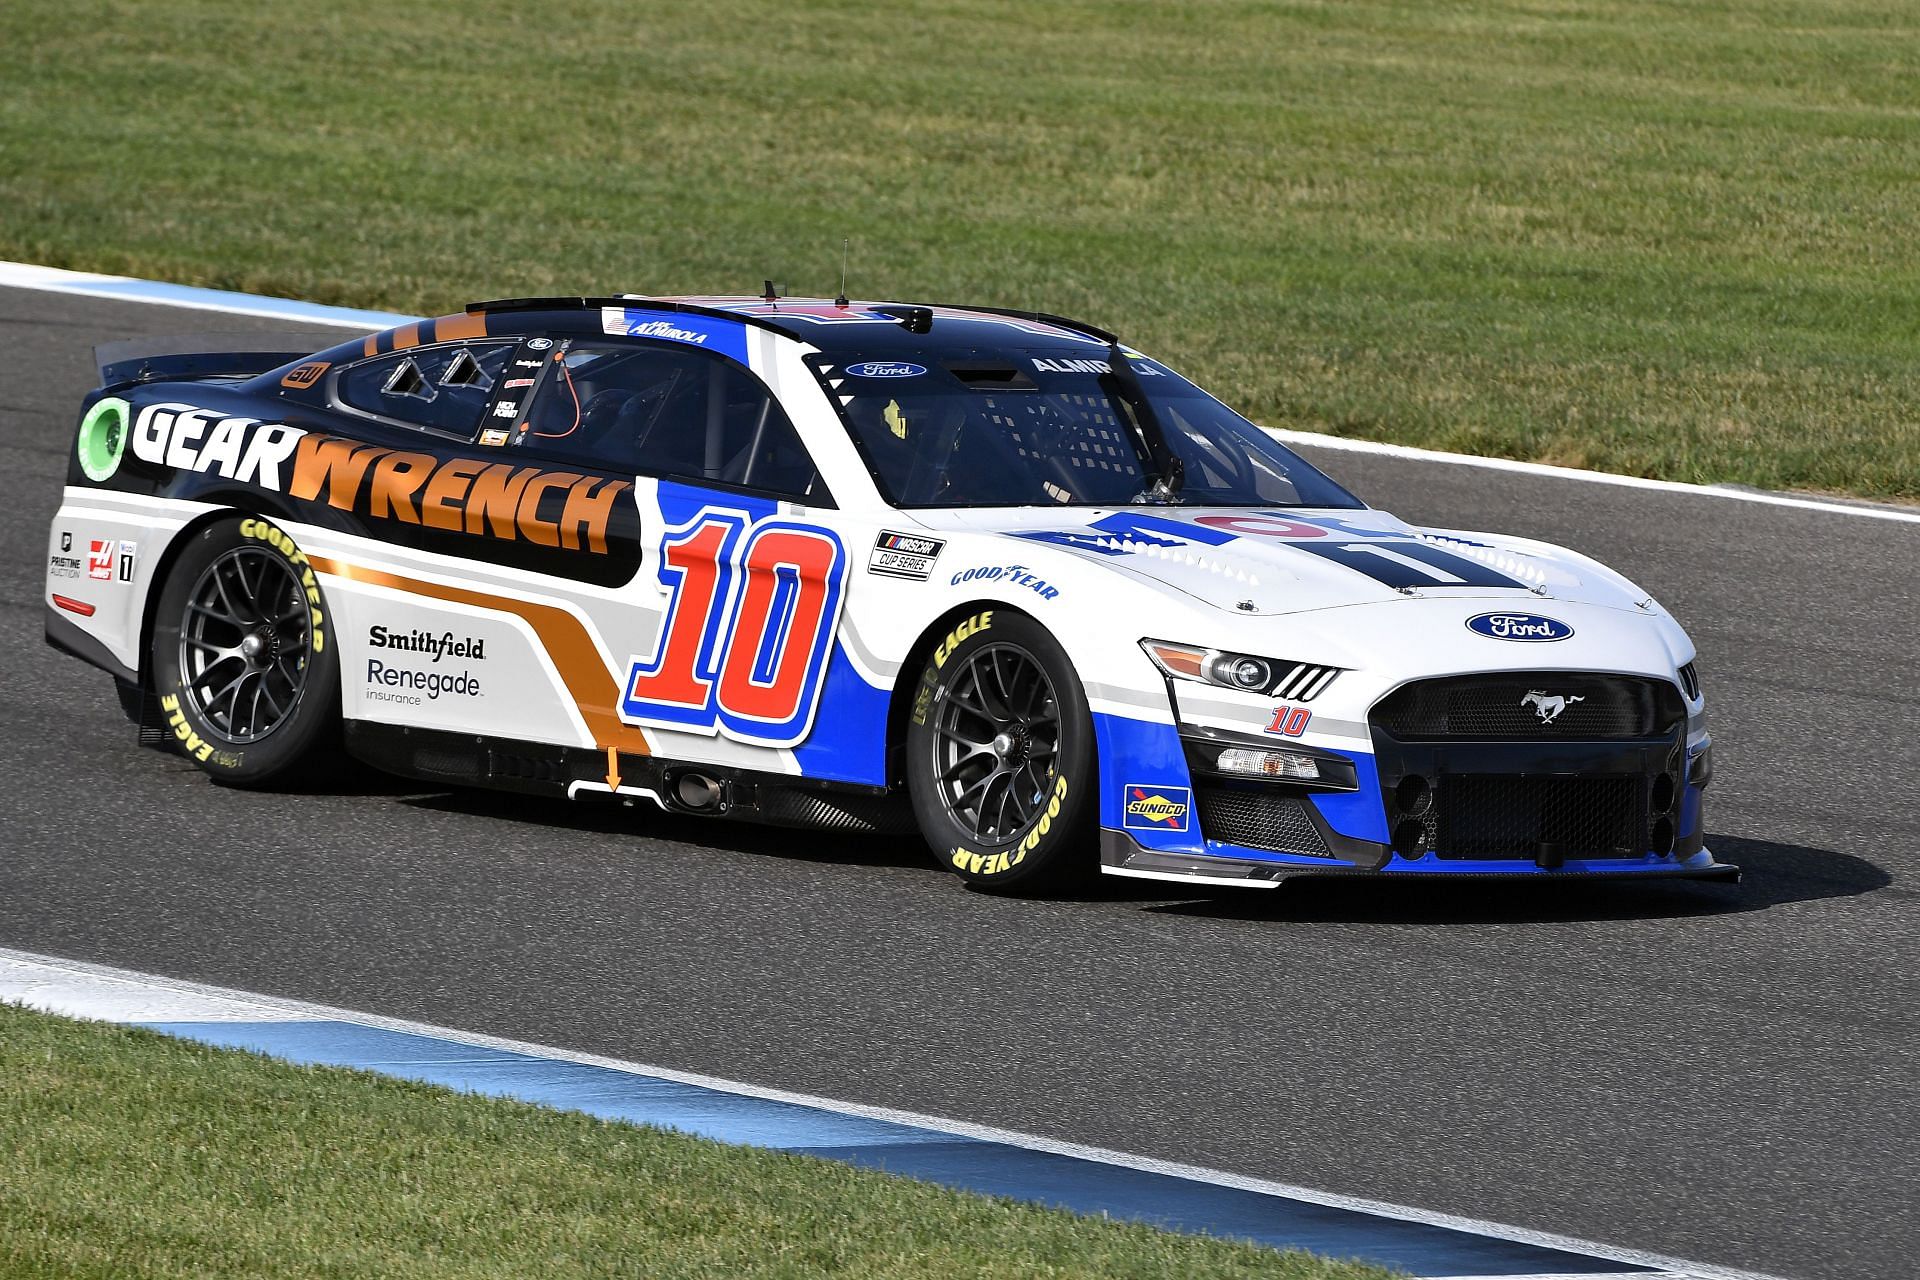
{"x": 1518, "y": 626}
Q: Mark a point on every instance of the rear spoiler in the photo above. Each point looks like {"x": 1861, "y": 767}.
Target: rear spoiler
{"x": 206, "y": 355}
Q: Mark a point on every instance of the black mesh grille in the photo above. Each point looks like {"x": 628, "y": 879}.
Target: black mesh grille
{"x": 1259, "y": 819}
{"x": 1512, "y": 817}
{"x": 1531, "y": 705}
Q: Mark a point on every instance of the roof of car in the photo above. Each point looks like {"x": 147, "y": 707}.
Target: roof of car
{"x": 829, "y": 324}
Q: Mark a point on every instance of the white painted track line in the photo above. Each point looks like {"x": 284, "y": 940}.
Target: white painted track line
{"x": 79, "y": 989}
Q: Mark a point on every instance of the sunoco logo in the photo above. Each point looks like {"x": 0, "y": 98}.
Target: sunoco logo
{"x": 1151, "y": 808}
{"x": 1529, "y": 627}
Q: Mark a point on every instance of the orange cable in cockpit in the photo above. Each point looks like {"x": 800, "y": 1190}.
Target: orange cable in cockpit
{"x": 567, "y": 376}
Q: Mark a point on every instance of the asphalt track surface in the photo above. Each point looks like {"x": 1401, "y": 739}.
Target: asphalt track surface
{"x": 1725, "y": 1073}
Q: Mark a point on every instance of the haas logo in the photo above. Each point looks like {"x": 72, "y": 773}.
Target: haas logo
{"x": 1548, "y": 706}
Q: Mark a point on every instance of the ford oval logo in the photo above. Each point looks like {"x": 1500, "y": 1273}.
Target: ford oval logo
{"x": 1519, "y": 626}
{"x": 886, "y": 369}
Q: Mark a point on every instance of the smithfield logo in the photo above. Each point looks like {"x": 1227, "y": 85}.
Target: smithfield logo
{"x": 886, "y": 369}
{"x": 439, "y": 645}
{"x": 1149, "y": 808}
{"x": 1518, "y": 626}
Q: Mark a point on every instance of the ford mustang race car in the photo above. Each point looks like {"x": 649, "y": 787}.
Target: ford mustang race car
{"x": 990, "y": 576}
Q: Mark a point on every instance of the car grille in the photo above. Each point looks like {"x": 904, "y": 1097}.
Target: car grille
{"x": 1256, "y": 818}
{"x": 1525, "y": 706}
{"x": 1504, "y": 817}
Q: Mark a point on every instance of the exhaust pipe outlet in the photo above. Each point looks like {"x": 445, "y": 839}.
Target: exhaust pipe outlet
{"x": 698, "y": 791}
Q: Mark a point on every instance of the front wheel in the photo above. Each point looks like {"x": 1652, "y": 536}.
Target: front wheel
{"x": 242, "y": 658}
{"x": 1000, "y": 755}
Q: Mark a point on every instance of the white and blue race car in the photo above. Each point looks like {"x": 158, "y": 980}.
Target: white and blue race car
{"x": 988, "y": 576}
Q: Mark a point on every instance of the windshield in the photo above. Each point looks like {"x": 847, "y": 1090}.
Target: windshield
{"x": 1052, "y": 427}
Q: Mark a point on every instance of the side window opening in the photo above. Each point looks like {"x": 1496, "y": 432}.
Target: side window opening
{"x": 674, "y": 413}
{"x": 441, "y": 388}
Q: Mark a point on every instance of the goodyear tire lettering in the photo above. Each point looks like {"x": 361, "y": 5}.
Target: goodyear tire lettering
{"x": 990, "y": 864}
{"x": 264, "y": 531}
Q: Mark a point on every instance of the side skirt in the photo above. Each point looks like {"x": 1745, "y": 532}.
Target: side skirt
{"x": 680, "y": 786}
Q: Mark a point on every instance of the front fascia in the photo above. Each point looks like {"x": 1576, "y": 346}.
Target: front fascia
{"x": 1381, "y": 648}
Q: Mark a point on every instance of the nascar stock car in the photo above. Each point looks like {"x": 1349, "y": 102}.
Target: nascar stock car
{"x": 992, "y": 576}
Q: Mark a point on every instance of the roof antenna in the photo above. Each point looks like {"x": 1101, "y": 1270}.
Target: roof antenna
{"x": 771, "y": 295}
{"x": 841, "y": 300}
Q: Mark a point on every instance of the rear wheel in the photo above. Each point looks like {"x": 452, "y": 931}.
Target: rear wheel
{"x": 1000, "y": 755}
{"x": 241, "y": 660}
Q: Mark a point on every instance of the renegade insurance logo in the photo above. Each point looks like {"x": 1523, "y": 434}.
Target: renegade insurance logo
{"x": 1156, "y": 808}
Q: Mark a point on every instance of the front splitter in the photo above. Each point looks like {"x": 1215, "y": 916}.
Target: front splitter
{"x": 1122, "y": 855}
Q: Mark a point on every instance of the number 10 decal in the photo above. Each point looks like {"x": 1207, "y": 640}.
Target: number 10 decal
{"x": 744, "y": 645}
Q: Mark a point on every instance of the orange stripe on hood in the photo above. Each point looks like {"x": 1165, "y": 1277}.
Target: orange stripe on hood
{"x": 594, "y": 689}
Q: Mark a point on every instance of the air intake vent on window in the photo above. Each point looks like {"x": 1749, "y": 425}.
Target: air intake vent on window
{"x": 407, "y": 381}
{"x": 463, "y": 371}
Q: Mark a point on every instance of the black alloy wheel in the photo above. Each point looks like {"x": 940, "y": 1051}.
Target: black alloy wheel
{"x": 1000, "y": 759}
{"x": 242, "y": 657}
{"x": 246, "y": 643}
{"x": 997, "y": 740}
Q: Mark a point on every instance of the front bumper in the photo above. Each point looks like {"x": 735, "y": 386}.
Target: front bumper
{"x": 1122, "y": 855}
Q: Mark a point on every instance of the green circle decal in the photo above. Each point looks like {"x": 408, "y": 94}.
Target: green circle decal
{"x": 103, "y": 438}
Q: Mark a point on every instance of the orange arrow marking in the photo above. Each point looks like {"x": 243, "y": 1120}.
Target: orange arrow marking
{"x": 613, "y": 769}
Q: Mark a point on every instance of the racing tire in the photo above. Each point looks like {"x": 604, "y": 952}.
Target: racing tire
{"x": 242, "y": 657}
{"x": 1000, "y": 758}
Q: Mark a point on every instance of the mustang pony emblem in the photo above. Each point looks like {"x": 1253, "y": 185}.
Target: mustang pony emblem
{"x": 1548, "y": 706}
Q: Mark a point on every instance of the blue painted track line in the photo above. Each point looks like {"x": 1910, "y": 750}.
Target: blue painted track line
{"x": 23, "y": 275}
{"x": 181, "y": 295}
{"x": 972, "y": 1164}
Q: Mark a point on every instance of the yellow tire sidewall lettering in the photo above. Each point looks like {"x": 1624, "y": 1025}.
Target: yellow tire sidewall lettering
{"x": 970, "y": 627}
{"x": 988, "y": 864}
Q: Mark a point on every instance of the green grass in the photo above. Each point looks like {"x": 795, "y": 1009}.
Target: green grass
{"x": 130, "y": 1154}
{"x": 1665, "y": 237}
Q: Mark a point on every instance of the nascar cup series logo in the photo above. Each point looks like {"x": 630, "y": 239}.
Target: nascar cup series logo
{"x": 1151, "y": 808}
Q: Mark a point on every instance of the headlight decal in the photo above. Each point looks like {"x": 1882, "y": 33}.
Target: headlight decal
{"x": 1242, "y": 672}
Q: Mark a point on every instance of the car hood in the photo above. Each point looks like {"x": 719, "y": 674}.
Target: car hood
{"x": 1254, "y": 562}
